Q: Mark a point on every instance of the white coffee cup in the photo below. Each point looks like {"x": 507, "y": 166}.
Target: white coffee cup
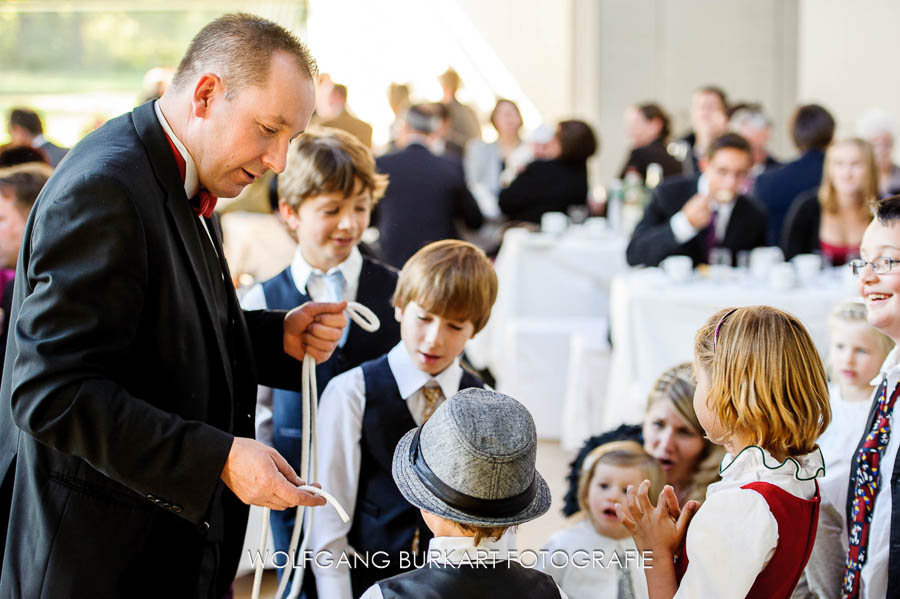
{"x": 677, "y": 268}
{"x": 596, "y": 226}
{"x": 554, "y": 222}
{"x": 763, "y": 259}
{"x": 808, "y": 266}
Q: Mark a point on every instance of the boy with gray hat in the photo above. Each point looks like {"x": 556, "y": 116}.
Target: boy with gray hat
{"x": 470, "y": 471}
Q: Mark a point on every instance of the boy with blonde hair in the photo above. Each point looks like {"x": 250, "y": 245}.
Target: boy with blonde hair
{"x": 326, "y": 195}
{"x": 443, "y": 298}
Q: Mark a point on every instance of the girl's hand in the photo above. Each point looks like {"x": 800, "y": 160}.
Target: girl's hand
{"x": 658, "y": 529}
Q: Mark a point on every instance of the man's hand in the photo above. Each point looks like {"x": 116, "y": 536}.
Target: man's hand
{"x": 697, "y": 210}
{"x": 314, "y": 329}
{"x": 258, "y": 475}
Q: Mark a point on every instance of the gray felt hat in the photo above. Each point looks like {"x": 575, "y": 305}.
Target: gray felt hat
{"x": 473, "y": 462}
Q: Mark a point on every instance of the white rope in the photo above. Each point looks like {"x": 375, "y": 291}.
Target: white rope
{"x": 367, "y": 321}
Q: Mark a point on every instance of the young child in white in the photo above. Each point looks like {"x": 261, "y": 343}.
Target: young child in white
{"x": 762, "y": 394}
{"x": 606, "y": 474}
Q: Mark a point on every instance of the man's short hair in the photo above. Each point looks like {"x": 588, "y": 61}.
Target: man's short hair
{"x": 716, "y": 91}
{"x": 450, "y": 278}
{"x": 749, "y": 115}
{"x": 27, "y": 119}
{"x": 887, "y": 210}
{"x": 422, "y": 118}
{"x": 577, "y": 141}
{"x": 325, "y": 160}
{"x": 238, "y": 48}
{"x": 14, "y": 155}
{"x": 24, "y": 182}
{"x": 813, "y": 128}
{"x": 728, "y": 140}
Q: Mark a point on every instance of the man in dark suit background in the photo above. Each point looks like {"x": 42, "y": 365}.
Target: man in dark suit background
{"x": 129, "y": 385}
{"x": 689, "y": 216}
{"x": 813, "y": 129}
{"x": 26, "y": 129}
{"x": 426, "y": 193}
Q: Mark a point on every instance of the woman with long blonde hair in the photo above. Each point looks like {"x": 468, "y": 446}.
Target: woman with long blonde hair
{"x": 832, "y": 219}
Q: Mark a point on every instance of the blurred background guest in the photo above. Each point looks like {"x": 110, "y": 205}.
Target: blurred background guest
{"x": 813, "y": 129}
{"x": 879, "y": 129}
{"x": 709, "y": 120}
{"x": 426, "y": 193}
{"x": 647, "y": 128}
{"x": 342, "y": 119}
{"x": 671, "y": 433}
{"x": 156, "y": 81}
{"x": 750, "y": 122}
{"x": 832, "y": 218}
{"x": 398, "y": 100}
{"x": 19, "y": 188}
{"x": 26, "y": 129}
{"x": 693, "y": 215}
{"x": 484, "y": 162}
{"x": 443, "y": 140}
{"x": 464, "y": 124}
{"x": 540, "y": 144}
{"x": 556, "y": 184}
{"x": 11, "y": 155}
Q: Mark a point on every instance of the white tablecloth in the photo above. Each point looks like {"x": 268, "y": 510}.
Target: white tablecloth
{"x": 654, "y": 320}
{"x": 550, "y": 286}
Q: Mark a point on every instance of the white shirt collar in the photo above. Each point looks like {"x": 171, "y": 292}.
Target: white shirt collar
{"x": 410, "y": 379}
{"x": 191, "y": 181}
{"x": 301, "y": 269}
{"x": 754, "y": 463}
{"x": 890, "y": 368}
{"x": 462, "y": 550}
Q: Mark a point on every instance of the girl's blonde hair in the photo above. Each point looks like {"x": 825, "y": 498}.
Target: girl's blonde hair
{"x": 853, "y": 311}
{"x": 676, "y": 384}
{"x": 767, "y": 381}
{"x": 623, "y": 454}
{"x": 828, "y": 194}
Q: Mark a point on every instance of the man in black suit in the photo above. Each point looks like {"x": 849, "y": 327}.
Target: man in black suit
{"x": 26, "y": 129}
{"x": 813, "y": 129}
{"x": 128, "y": 390}
{"x": 689, "y": 216}
{"x": 425, "y": 193}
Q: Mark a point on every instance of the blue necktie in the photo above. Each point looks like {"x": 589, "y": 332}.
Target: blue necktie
{"x": 335, "y": 282}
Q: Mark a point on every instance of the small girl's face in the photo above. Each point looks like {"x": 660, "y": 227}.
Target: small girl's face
{"x": 608, "y": 487}
{"x": 701, "y": 403}
{"x": 855, "y": 353}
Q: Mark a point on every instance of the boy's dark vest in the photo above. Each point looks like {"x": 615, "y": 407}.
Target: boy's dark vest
{"x": 383, "y": 520}
{"x": 503, "y": 580}
{"x": 375, "y": 289}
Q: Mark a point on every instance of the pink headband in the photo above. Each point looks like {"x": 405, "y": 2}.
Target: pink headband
{"x": 719, "y": 326}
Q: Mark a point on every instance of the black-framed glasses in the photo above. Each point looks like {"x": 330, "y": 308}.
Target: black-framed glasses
{"x": 880, "y": 265}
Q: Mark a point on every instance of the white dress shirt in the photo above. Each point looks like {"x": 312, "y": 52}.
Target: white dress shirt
{"x": 733, "y": 535}
{"x": 459, "y": 550}
{"x": 594, "y": 582}
{"x": 318, "y": 291}
{"x": 875, "y": 571}
{"x": 684, "y": 231}
{"x": 339, "y": 432}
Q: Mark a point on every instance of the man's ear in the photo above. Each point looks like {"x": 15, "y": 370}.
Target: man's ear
{"x": 208, "y": 87}
{"x": 703, "y": 162}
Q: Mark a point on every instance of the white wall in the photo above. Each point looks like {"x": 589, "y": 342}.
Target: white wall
{"x": 847, "y": 55}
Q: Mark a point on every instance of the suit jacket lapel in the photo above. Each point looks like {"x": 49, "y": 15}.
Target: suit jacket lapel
{"x": 166, "y": 171}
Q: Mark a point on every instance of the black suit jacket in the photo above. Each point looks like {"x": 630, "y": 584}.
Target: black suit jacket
{"x": 654, "y": 152}
{"x": 425, "y": 195}
{"x": 545, "y": 186}
{"x": 124, "y": 381}
{"x": 653, "y": 240}
{"x": 777, "y": 188}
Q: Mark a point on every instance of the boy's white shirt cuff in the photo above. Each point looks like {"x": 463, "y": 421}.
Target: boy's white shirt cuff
{"x": 682, "y": 228}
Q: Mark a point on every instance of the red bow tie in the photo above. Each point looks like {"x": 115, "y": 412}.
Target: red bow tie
{"x": 204, "y": 202}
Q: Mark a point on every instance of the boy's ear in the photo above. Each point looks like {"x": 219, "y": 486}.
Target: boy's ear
{"x": 289, "y": 215}
{"x": 398, "y": 313}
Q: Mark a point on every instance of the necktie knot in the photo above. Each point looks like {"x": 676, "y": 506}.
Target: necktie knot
{"x": 204, "y": 203}
{"x": 433, "y": 398}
